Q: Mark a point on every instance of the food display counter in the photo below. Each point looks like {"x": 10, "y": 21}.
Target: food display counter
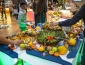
{"x": 34, "y": 60}
{"x": 34, "y": 56}
{"x": 47, "y": 45}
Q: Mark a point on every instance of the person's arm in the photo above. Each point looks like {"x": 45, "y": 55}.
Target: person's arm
{"x": 75, "y": 18}
{"x": 3, "y": 40}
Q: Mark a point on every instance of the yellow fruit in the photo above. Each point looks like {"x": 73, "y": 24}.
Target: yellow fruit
{"x": 33, "y": 46}
{"x": 30, "y": 43}
{"x": 62, "y": 50}
{"x": 34, "y": 32}
{"x": 56, "y": 54}
{"x": 51, "y": 52}
{"x": 37, "y": 27}
{"x": 41, "y": 48}
{"x": 71, "y": 35}
{"x": 72, "y": 41}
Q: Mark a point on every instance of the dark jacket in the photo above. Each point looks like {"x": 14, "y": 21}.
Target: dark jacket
{"x": 34, "y": 6}
{"x": 80, "y": 15}
{"x": 39, "y": 17}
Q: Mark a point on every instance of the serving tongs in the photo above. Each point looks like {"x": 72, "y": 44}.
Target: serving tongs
{"x": 58, "y": 38}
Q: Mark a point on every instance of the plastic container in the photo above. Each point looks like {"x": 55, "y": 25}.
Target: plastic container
{"x": 40, "y": 24}
{"x": 21, "y": 62}
{"x": 22, "y": 26}
{"x": 30, "y": 16}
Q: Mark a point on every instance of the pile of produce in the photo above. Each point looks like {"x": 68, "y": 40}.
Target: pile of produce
{"x": 23, "y": 37}
{"x": 50, "y": 39}
{"x": 57, "y": 50}
{"x": 75, "y": 31}
{"x": 46, "y": 40}
{"x": 53, "y": 16}
{"x": 32, "y": 31}
{"x": 57, "y": 13}
{"x": 47, "y": 26}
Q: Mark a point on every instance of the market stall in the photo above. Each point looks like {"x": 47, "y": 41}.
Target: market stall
{"x": 46, "y": 46}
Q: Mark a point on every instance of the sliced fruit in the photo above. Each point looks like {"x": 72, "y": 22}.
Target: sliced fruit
{"x": 56, "y": 54}
{"x": 34, "y": 47}
{"x": 51, "y": 52}
{"x": 72, "y": 41}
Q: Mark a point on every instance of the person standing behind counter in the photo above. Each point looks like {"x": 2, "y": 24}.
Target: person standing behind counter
{"x": 11, "y": 9}
{"x": 22, "y": 13}
{"x": 34, "y": 9}
{"x": 40, "y": 10}
{"x": 78, "y": 16}
{"x": 3, "y": 12}
{"x": 50, "y": 5}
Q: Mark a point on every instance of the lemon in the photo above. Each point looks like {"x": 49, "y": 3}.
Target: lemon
{"x": 72, "y": 41}
{"x": 30, "y": 43}
{"x": 41, "y": 49}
